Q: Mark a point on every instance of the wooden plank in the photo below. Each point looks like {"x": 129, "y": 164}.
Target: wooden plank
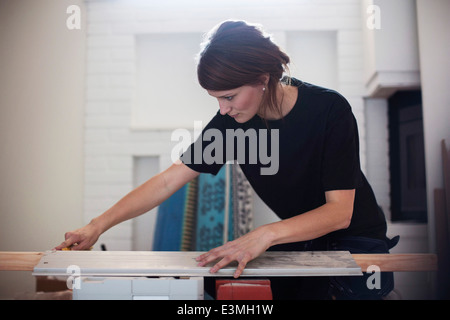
{"x": 183, "y": 263}
{"x": 19, "y": 261}
{"x": 398, "y": 262}
{"x": 26, "y": 261}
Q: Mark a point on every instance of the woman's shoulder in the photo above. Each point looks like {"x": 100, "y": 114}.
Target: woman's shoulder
{"x": 308, "y": 88}
{"x": 317, "y": 96}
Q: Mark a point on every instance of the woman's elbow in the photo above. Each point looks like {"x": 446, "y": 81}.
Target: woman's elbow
{"x": 346, "y": 218}
{"x": 342, "y": 202}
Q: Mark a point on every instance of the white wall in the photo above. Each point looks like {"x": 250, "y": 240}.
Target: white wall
{"x": 377, "y": 140}
{"x": 144, "y": 225}
{"x": 391, "y": 51}
{"x": 167, "y": 94}
{"x": 320, "y": 47}
{"x": 41, "y": 129}
{"x": 434, "y": 44}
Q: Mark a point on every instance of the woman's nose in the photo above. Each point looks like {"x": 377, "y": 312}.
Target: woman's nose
{"x": 224, "y": 108}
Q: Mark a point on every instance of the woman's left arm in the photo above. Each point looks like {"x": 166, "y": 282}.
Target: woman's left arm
{"x": 334, "y": 215}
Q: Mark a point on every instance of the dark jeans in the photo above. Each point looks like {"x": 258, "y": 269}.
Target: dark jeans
{"x": 342, "y": 287}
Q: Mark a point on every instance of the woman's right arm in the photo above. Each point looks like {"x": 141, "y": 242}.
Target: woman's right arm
{"x": 142, "y": 199}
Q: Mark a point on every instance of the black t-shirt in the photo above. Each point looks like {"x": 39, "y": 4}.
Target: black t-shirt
{"x": 291, "y": 162}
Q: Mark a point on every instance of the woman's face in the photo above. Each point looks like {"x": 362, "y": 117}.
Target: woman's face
{"x": 242, "y": 103}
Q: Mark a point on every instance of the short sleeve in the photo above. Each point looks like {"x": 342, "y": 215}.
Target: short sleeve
{"x": 207, "y": 153}
{"x": 341, "y": 164}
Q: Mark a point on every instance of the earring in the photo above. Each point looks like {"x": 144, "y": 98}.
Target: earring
{"x": 264, "y": 88}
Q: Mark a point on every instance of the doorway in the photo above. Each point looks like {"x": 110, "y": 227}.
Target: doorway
{"x": 407, "y": 157}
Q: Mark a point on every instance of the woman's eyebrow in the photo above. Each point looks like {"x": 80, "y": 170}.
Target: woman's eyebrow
{"x": 222, "y": 96}
{"x": 227, "y": 94}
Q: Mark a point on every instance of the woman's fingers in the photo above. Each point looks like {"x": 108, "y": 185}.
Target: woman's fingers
{"x": 240, "y": 268}
{"x": 221, "y": 264}
{"x": 74, "y": 241}
{"x": 241, "y": 250}
{"x": 80, "y": 239}
{"x": 64, "y": 244}
{"x": 71, "y": 239}
{"x": 213, "y": 255}
{"x": 202, "y": 259}
{"x": 210, "y": 256}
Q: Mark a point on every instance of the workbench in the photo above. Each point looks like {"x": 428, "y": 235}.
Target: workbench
{"x": 175, "y": 275}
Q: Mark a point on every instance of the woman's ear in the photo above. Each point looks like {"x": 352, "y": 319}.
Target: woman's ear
{"x": 264, "y": 79}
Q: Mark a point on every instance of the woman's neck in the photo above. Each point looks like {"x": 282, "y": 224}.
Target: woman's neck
{"x": 286, "y": 99}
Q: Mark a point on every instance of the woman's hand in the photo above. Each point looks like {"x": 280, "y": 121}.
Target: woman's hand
{"x": 80, "y": 239}
{"x": 242, "y": 250}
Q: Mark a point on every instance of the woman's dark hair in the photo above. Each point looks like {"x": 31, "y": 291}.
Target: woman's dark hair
{"x": 237, "y": 53}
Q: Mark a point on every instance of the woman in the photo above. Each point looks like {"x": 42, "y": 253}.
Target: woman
{"x": 317, "y": 189}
